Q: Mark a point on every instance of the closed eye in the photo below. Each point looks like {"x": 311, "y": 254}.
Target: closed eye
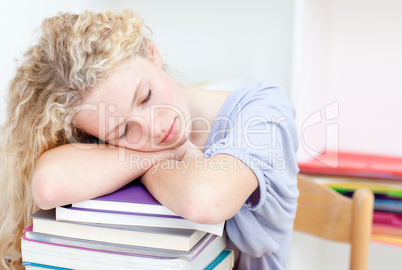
{"x": 148, "y": 98}
{"x": 124, "y": 133}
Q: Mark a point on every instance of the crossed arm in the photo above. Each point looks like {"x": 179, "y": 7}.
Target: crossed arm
{"x": 205, "y": 190}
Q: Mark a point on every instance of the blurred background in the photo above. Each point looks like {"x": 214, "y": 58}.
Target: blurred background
{"x": 339, "y": 61}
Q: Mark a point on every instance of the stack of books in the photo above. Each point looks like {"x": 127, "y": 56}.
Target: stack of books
{"x": 127, "y": 229}
{"x": 381, "y": 174}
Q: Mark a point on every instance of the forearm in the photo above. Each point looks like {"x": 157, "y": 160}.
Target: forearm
{"x": 203, "y": 190}
{"x": 76, "y": 172}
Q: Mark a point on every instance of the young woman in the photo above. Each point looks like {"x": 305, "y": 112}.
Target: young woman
{"x": 207, "y": 155}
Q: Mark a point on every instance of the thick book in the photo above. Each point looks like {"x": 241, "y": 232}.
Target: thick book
{"x": 117, "y": 247}
{"x": 78, "y": 258}
{"x": 224, "y": 261}
{"x": 345, "y": 184}
{"x": 133, "y": 219}
{"x": 354, "y": 164}
{"x": 388, "y": 219}
{"x": 386, "y": 230}
{"x": 387, "y": 239}
{"x": 387, "y": 194}
{"x": 44, "y": 221}
{"x": 134, "y": 197}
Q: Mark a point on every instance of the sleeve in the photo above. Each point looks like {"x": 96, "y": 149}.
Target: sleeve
{"x": 261, "y": 132}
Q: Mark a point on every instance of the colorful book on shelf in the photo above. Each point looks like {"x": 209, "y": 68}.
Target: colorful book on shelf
{"x": 388, "y": 194}
{"x": 388, "y": 205}
{"x": 389, "y": 219}
{"x": 387, "y": 230}
{"x": 345, "y": 184}
{"x": 81, "y": 258}
{"x": 134, "y": 197}
{"x": 44, "y": 221}
{"x": 354, "y": 164}
{"x": 387, "y": 224}
{"x": 387, "y": 239}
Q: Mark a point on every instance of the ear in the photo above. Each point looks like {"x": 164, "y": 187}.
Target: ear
{"x": 155, "y": 55}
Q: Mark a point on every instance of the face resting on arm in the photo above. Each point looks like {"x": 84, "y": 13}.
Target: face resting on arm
{"x": 146, "y": 110}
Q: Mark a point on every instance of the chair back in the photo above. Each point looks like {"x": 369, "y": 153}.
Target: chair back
{"x": 325, "y": 213}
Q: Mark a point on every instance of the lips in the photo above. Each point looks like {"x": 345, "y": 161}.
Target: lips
{"x": 171, "y": 133}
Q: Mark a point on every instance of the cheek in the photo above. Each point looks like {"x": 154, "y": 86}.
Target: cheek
{"x": 177, "y": 102}
{"x": 137, "y": 137}
{"x": 136, "y": 140}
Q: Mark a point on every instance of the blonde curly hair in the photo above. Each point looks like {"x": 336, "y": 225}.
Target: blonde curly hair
{"x": 74, "y": 52}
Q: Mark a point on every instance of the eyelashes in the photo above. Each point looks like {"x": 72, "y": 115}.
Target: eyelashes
{"x": 124, "y": 133}
{"x": 146, "y": 100}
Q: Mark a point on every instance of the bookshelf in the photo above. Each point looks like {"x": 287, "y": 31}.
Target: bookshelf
{"x": 347, "y": 52}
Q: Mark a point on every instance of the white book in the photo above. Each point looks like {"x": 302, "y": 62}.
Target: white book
{"x": 133, "y": 219}
{"x": 75, "y": 258}
{"x": 119, "y": 248}
{"x": 224, "y": 261}
{"x": 44, "y": 221}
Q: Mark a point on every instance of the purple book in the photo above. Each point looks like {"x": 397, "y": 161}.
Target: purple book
{"x": 132, "y": 198}
{"x": 131, "y": 205}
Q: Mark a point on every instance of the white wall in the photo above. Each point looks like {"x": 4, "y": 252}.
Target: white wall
{"x": 215, "y": 40}
{"x": 366, "y": 73}
{"x": 203, "y": 41}
{"x": 349, "y": 52}
{"x": 18, "y": 20}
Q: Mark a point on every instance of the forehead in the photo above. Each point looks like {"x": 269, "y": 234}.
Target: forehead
{"x": 124, "y": 75}
{"x": 110, "y": 97}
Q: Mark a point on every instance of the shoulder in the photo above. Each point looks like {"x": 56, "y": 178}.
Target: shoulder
{"x": 261, "y": 98}
{"x": 262, "y": 88}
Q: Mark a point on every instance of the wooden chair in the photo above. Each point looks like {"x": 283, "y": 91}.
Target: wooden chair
{"x": 325, "y": 213}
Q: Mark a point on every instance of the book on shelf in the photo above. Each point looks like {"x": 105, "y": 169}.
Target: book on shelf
{"x": 354, "y": 164}
{"x": 44, "y": 222}
{"x": 387, "y": 239}
{"x": 386, "y": 223}
{"x": 345, "y": 184}
{"x": 73, "y": 257}
{"x": 379, "y": 173}
{"x": 387, "y": 194}
{"x": 387, "y": 230}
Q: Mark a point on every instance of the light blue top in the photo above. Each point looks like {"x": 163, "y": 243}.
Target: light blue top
{"x": 256, "y": 125}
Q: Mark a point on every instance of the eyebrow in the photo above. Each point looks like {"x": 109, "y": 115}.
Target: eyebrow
{"x": 107, "y": 137}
